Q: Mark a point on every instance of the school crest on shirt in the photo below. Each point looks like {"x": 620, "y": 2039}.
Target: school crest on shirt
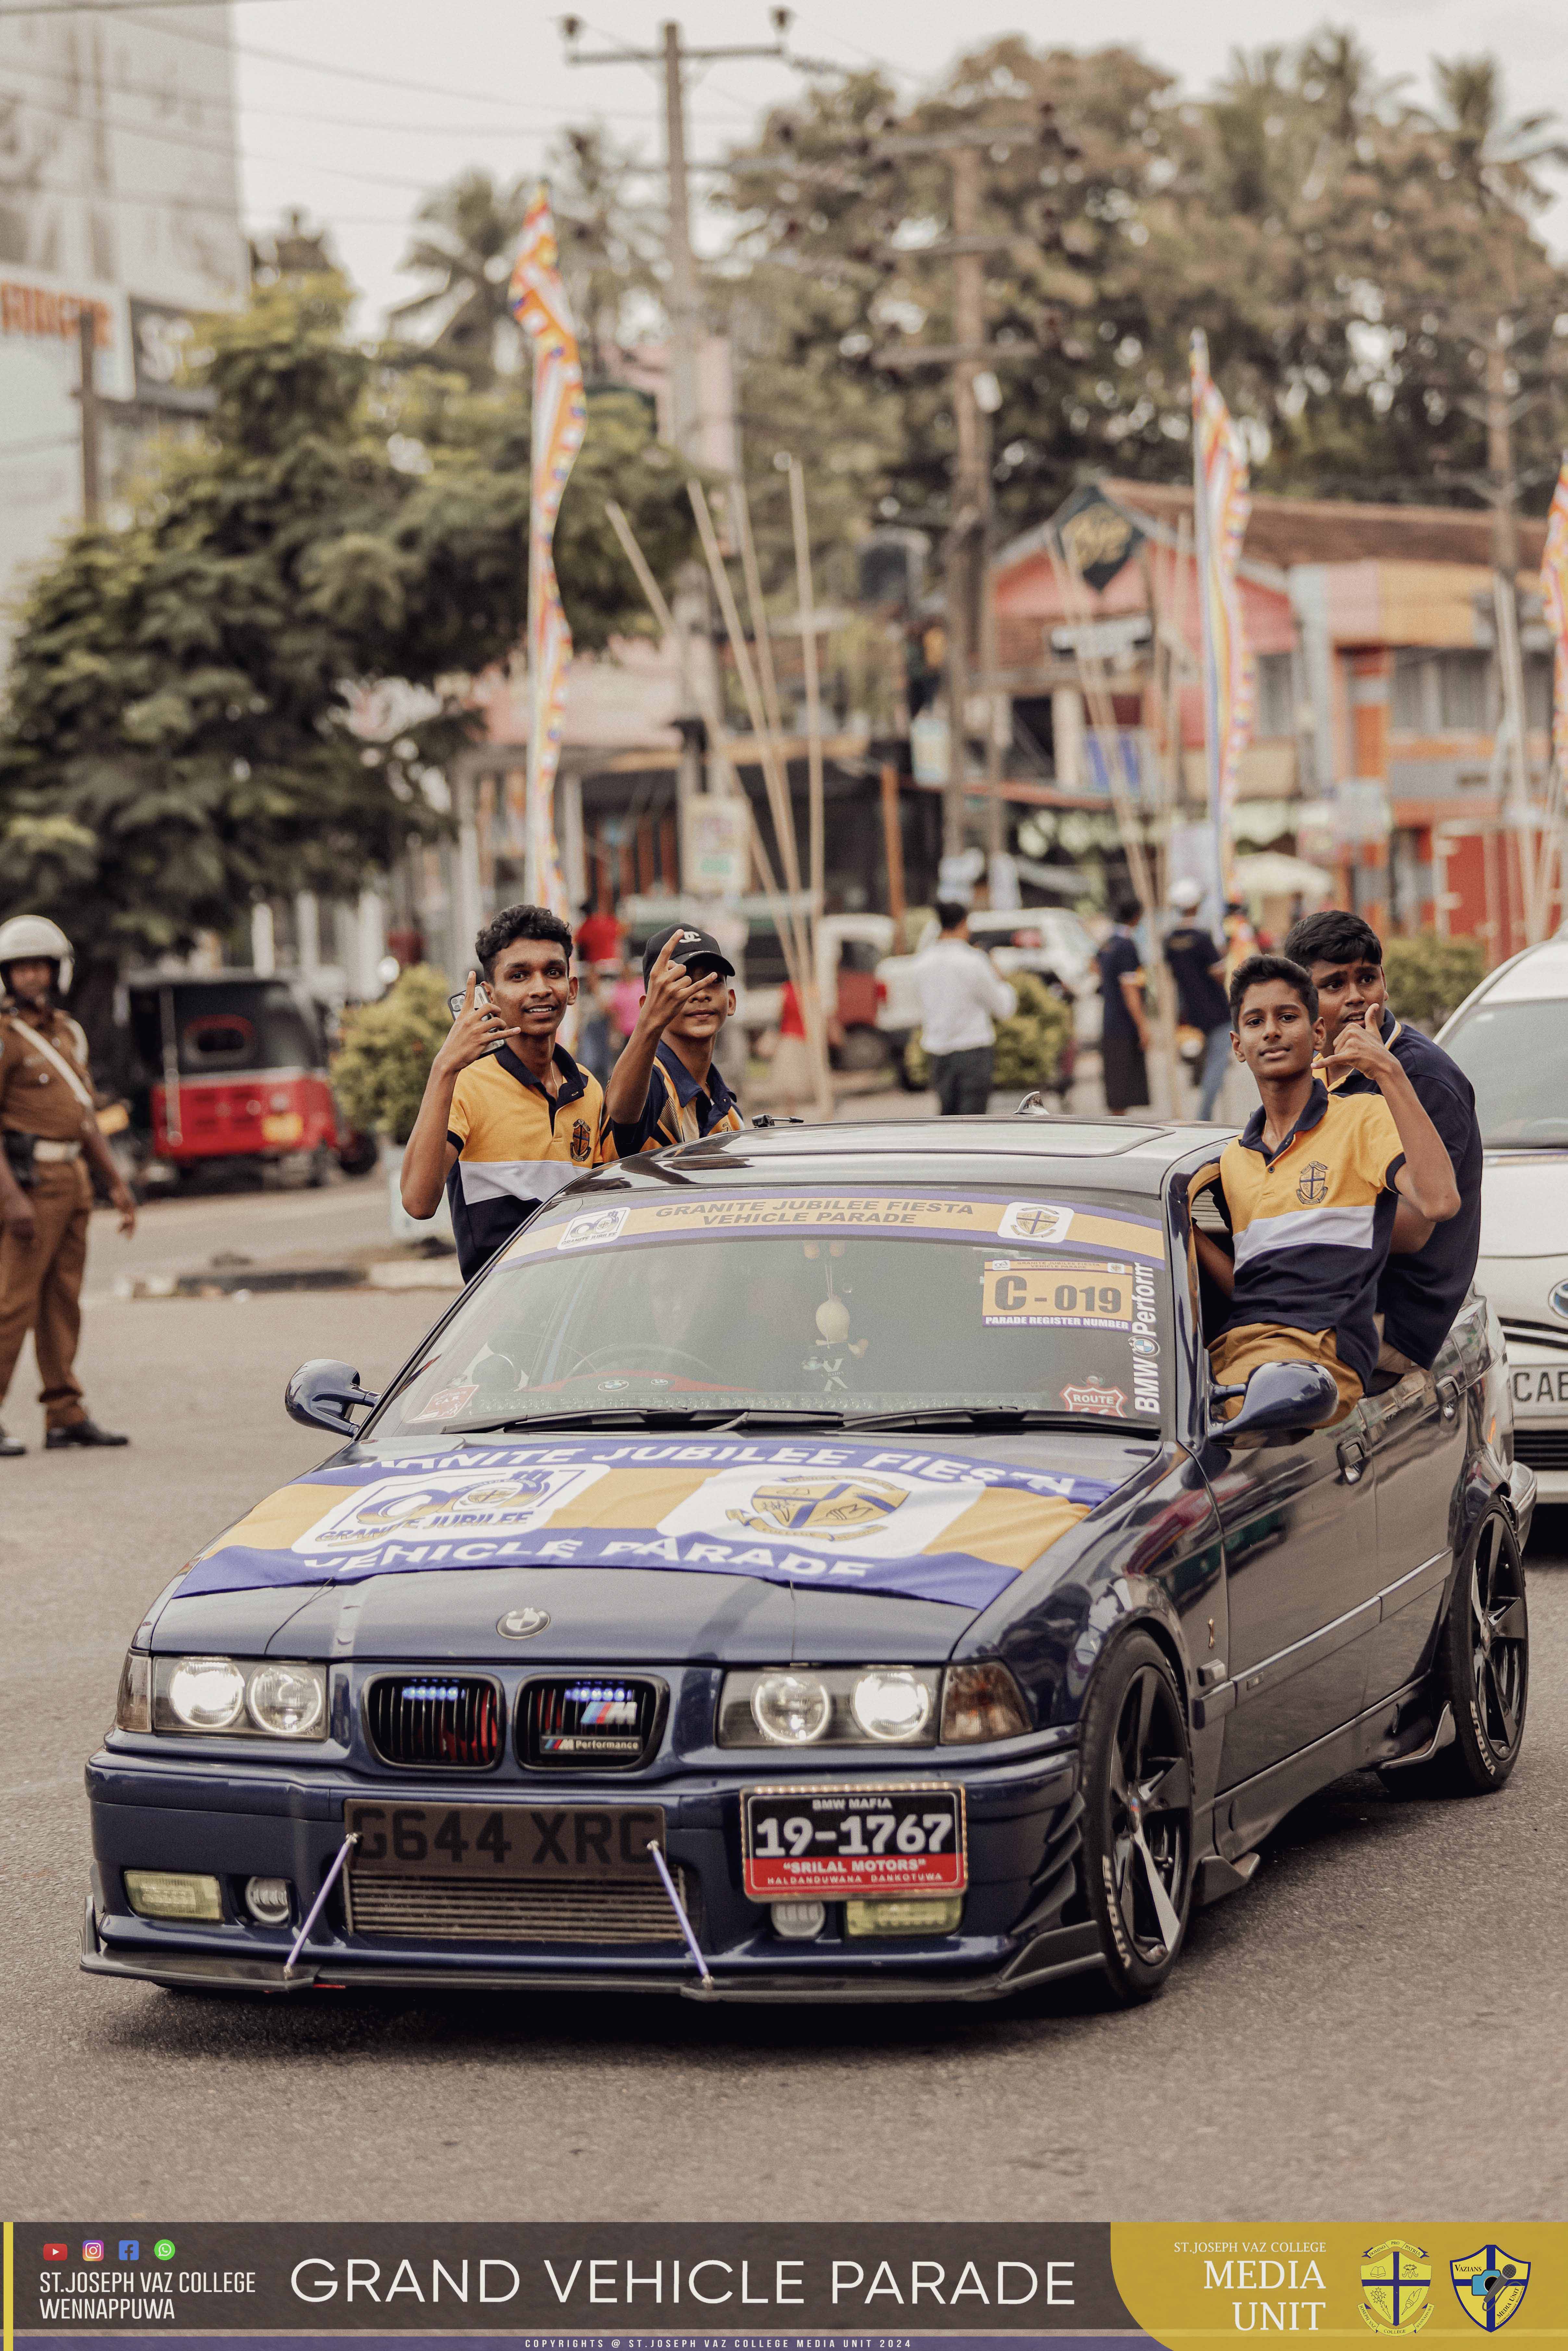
{"x": 581, "y": 1140}
{"x": 1312, "y": 1184}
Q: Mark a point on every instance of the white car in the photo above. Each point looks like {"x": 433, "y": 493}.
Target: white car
{"x": 1511, "y": 1038}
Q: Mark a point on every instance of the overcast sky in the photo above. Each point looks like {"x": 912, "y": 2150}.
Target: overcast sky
{"x": 354, "y": 107}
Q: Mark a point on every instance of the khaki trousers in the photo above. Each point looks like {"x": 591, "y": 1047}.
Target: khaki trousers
{"x": 40, "y": 1289}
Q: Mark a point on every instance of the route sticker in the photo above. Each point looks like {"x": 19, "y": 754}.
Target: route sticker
{"x": 1066, "y": 1293}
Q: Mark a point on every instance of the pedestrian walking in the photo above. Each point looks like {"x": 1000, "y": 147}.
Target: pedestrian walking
{"x": 1197, "y": 963}
{"x": 1124, "y": 1024}
{"x": 49, "y": 1125}
{"x": 962, "y": 998}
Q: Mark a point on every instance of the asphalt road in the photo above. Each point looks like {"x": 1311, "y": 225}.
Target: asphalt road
{"x": 1367, "y": 2029}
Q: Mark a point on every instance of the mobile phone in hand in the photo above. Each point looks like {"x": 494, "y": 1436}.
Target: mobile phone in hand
{"x": 481, "y": 996}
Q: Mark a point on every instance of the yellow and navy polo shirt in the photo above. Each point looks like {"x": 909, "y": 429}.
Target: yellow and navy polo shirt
{"x": 677, "y": 1109}
{"x": 517, "y": 1147}
{"x": 1314, "y": 1222}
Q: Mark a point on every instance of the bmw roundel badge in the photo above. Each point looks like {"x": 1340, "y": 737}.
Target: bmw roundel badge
{"x": 518, "y": 1624}
{"x": 1558, "y": 1302}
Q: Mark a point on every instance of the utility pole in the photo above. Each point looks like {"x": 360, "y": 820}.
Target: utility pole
{"x": 87, "y": 332}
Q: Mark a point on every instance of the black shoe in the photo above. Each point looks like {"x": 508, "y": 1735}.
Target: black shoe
{"x": 10, "y": 1447}
{"x": 80, "y": 1432}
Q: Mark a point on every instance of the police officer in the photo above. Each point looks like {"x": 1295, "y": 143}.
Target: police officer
{"x": 48, "y": 1128}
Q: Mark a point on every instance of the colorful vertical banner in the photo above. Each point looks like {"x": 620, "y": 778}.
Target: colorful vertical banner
{"x": 538, "y": 301}
{"x": 1555, "y": 602}
{"x": 1222, "y": 503}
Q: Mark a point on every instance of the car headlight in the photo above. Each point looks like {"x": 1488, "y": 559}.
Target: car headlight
{"x": 791, "y": 1709}
{"x": 981, "y": 1702}
{"x": 830, "y": 1705}
{"x": 229, "y": 1698}
{"x": 890, "y": 1704}
{"x": 206, "y": 1693}
{"x": 288, "y": 1700}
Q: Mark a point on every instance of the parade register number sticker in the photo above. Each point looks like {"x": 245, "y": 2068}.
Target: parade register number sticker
{"x": 1065, "y": 1293}
{"x": 830, "y": 1844}
{"x": 504, "y": 1841}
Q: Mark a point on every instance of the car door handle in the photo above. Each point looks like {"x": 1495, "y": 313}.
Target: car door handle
{"x": 1351, "y": 1458}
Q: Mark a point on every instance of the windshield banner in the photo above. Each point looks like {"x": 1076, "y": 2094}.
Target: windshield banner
{"x": 922, "y": 1215}
{"x": 867, "y": 1516}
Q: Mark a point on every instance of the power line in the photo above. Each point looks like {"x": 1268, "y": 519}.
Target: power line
{"x": 90, "y": 7}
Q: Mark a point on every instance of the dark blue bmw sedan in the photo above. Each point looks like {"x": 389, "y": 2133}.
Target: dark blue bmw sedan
{"x": 806, "y": 1564}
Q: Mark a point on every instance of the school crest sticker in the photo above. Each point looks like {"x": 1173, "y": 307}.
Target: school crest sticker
{"x": 447, "y": 1506}
{"x": 1490, "y": 2283}
{"x": 833, "y": 1509}
{"x": 1395, "y": 2287}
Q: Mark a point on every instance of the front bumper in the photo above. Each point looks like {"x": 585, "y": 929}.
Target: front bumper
{"x": 185, "y": 1815}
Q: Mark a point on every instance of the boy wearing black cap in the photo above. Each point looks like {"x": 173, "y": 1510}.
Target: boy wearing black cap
{"x": 665, "y": 1088}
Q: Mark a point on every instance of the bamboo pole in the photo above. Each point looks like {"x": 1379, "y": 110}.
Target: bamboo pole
{"x": 713, "y": 719}
{"x": 806, "y": 602}
{"x": 777, "y": 785}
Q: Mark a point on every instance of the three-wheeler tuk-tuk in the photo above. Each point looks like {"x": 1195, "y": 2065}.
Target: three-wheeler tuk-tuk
{"x": 232, "y": 1066}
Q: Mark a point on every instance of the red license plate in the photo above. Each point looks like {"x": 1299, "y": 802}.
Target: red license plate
{"x": 815, "y": 1841}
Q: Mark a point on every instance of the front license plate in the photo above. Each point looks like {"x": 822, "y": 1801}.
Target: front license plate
{"x": 496, "y": 1841}
{"x": 824, "y": 1844}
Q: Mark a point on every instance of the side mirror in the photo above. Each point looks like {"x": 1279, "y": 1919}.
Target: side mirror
{"x": 321, "y": 1394}
{"x": 1283, "y": 1399}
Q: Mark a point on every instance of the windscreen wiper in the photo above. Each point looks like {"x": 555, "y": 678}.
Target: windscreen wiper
{"x": 658, "y": 1416}
{"x": 973, "y": 1416}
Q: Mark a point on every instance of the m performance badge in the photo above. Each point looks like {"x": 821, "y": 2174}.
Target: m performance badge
{"x": 828, "y": 1845}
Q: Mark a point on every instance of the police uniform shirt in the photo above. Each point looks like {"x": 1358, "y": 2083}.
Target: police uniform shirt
{"x": 517, "y": 1147}
{"x": 34, "y": 1097}
{"x": 1313, "y": 1223}
{"x": 678, "y": 1110}
{"x": 1419, "y": 1295}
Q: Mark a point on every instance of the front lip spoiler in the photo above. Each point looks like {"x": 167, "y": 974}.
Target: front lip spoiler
{"x": 1062, "y": 1952}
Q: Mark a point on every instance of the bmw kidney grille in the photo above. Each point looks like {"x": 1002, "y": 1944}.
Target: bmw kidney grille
{"x": 592, "y": 1722}
{"x": 450, "y": 1722}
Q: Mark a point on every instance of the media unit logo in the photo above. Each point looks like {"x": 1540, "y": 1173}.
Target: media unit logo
{"x": 832, "y": 1510}
{"x": 1395, "y": 2287}
{"x": 1490, "y": 2283}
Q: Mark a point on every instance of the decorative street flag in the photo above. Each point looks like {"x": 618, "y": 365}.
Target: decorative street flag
{"x": 1554, "y": 600}
{"x": 1222, "y": 505}
{"x": 538, "y": 301}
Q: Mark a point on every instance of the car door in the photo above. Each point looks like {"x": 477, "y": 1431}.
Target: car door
{"x": 1298, "y": 1516}
{"x": 1417, "y": 1448}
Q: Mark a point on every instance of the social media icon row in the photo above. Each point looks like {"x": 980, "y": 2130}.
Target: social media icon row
{"x": 129, "y": 2250}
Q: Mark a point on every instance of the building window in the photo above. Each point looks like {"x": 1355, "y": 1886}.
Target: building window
{"x": 1415, "y": 693}
{"x": 1276, "y": 698}
{"x": 1462, "y": 692}
{"x": 1538, "y": 693}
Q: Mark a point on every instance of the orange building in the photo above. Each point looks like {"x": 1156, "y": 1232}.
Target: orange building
{"x": 1379, "y": 699}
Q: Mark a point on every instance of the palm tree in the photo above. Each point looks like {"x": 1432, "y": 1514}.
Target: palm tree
{"x": 464, "y": 239}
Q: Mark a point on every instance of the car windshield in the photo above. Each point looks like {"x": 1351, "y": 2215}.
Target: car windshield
{"x": 1516, "y": 1057}
{"x": 837, "y": 1308}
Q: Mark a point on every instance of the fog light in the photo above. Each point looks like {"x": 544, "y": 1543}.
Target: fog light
{"x": 269, "y": 1900}
{"x": 171, "y": 1893}
{"x": 799, "y": 1922}
{"x": 933, "y": 1914}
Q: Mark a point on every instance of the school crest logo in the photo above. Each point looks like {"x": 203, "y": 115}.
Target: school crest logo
{"x": 581, "y": 1139}
{"x": 1395, "y": 2287}
{"x": 1312, "y": 1184}
{"x": 1041, "y": 1221}
{"x": 833, "y": 1509}
{"x": 1490, "y": 2283}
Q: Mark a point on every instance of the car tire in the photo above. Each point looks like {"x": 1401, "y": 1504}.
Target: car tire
{"x": 1482, "y": 1669}
{"x": 1137, "y": 1820}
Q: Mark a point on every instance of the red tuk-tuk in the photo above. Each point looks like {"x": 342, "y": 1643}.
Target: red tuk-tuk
{"x": 233, "y": 1066}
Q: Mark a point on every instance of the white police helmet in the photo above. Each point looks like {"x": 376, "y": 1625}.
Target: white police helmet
{"x": 28, "y": 938}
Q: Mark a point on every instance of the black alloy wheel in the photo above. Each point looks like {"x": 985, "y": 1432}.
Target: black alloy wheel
{"x": 1483, "y": 1664}
{"x": 1137, "y": 1831}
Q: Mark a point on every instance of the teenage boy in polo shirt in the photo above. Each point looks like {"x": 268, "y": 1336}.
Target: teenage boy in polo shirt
{"x": 666, "y": 1088}
{"x": 1310, "y": 1188}
{"x": 1430, "y": 1268}
{"x": 508, "y": 1116}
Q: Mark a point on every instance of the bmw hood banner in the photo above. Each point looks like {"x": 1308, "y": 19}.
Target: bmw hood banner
{"x": 926, "y": 1526}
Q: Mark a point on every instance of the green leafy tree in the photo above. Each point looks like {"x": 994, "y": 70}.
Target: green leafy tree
{"x": 386, "y": 1049}
{"x": 177, "y": 741}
